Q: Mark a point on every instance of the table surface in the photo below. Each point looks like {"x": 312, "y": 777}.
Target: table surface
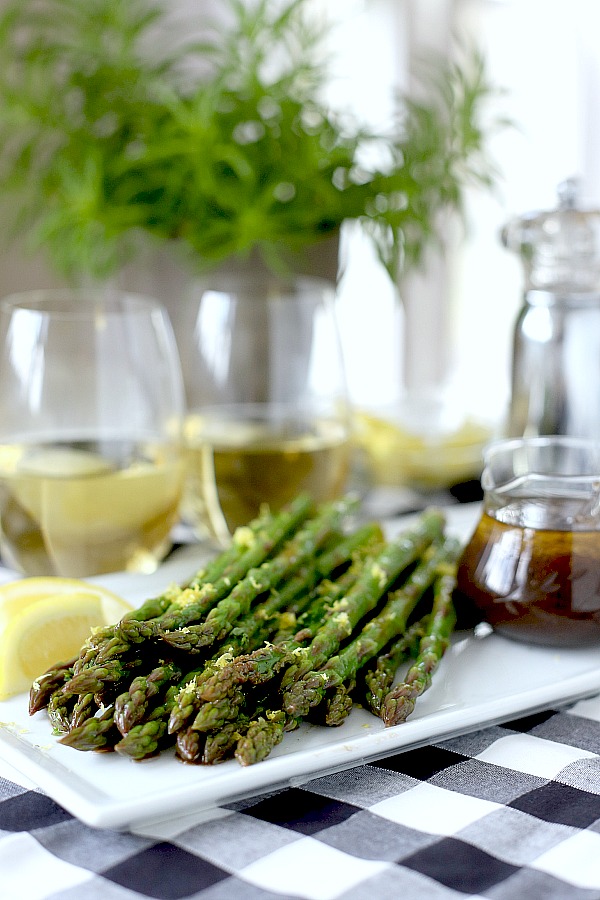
{"x": 508, "y": 811}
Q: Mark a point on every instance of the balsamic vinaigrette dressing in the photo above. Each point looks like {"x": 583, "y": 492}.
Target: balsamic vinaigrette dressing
{"x": 532, "y": 581}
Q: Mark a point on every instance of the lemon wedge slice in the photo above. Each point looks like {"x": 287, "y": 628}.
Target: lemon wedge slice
{"x": 46, "y": 620}
{"x": 400, "y": 457}
{"x": 63, "y": 462}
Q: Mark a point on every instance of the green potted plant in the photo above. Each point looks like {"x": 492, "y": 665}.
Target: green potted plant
{"x": 116, "y": 133}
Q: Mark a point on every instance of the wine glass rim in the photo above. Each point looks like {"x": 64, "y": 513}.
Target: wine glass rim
{"x": 558, "y": 457}
{"x": 255, "y": 286}
{"x": 79, "y": 302}
{"x": 541, "y": 442}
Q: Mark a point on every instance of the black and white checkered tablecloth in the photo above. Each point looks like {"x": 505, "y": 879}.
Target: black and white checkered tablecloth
{"x": 511, "y": 811}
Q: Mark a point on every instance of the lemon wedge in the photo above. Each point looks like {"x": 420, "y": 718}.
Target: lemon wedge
{"x": 400, "y": 457}
{"x": 63, "y": 461}
{"x": 46, "y": 620}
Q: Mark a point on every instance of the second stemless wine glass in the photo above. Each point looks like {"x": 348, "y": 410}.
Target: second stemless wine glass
{"x": 91, "y": 411}
{"x": 268, "y": 406}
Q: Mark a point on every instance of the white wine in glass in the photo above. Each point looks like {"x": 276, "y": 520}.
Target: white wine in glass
{"x": 91, "y": 467}
{"x": 269, "y": 415}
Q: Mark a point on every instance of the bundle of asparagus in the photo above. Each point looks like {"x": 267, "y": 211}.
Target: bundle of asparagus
{"x": 298, "y": 619}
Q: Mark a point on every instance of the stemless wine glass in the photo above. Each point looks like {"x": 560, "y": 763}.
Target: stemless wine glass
{"x": 268, "y": 406}
{"x": 91, "y": 412}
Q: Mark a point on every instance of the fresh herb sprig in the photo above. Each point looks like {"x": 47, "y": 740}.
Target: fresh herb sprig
{"x": 116, "y": 129}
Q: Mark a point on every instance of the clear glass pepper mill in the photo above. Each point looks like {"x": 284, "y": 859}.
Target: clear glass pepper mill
{"x": 556, "y": 349}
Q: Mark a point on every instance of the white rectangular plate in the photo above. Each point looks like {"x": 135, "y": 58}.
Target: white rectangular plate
{"x": 481, "y": 681}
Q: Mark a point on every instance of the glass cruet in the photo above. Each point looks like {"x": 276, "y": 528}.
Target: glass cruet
{"x": 532, "y": 564}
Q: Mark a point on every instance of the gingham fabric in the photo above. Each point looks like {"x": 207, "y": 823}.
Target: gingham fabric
{"x": 511, "y": 811}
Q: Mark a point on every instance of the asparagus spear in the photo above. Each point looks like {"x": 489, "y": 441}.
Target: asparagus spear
{"x": 243, "y": 538}
{"x": 97, "y": 733}
{"x": 366, "y": 538}
{"x": 250, "y": 543}
{"x": 400, "y": 701}
{"x": 189, "y": 745}
{"x": 113, "y": 670}
{"x": 89, "y": 651}
{"x": 217, "y": 568}
{"x": 143, "y": 740}
{"x": 339, "y": 705}
{"x": 294, "y": 594}
{"x": 114, "y": 648}
{"x": 198, "y": 600}
{"x": 211, "y": 716}
{"x": 300, "y": 548}
{"x": 100, "y": 732}
{"x": 85, "y": 706}
{"x": 373, "y": 583}
{"x": 220, "y": 745}
{"x": 329, "y": 582}
{"x": 222, "y": 690}
{"x": 262, "y": 664}
{"x": 263, "y": 734}
{"x": 214, "y": 746}
{"x": 131, "y": 705}
{"x": 43, "y": 687}
{"x": 111, "y": 641}
{"x": 187, "y": 701}
{"x": 146, "y": 738}
{"x": 309, "y": 690}
{"x": 95, "y": 679}
{"x": 59, "y": 709}
{"x": 248, "y": 634}
{"x": 378, "y": 679}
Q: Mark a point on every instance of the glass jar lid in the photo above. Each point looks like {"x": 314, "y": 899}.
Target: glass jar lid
{"x": 559, "y": 248}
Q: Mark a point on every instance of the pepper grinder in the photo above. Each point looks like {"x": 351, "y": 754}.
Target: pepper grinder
{"x": 555, "y": 387}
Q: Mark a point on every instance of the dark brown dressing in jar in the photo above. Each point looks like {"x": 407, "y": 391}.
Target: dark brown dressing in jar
{"x": 534, "y": 582}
